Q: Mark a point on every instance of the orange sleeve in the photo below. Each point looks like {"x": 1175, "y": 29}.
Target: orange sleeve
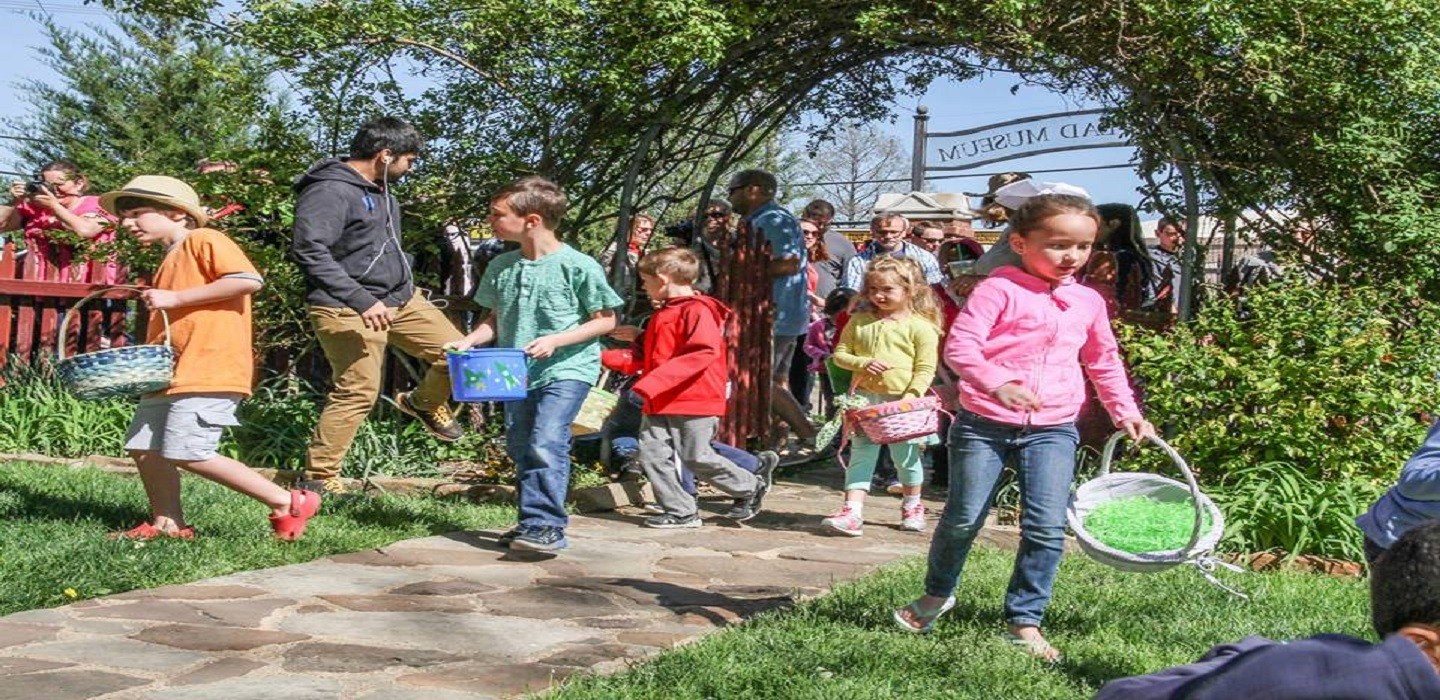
{"x": 218, "y": 255}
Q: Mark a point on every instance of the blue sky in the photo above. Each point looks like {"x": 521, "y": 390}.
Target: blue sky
{"x": 952, "y": 106}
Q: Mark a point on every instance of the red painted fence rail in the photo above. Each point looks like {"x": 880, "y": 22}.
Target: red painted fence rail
{"x": 34, "y": 297}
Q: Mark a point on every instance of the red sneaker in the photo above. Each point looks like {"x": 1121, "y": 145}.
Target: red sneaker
{"x": 146, "y": 531}
{"x": 303, "y": 506}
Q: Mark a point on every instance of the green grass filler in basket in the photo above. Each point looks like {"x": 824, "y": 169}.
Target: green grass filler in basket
{"x": 1139, "y": 524}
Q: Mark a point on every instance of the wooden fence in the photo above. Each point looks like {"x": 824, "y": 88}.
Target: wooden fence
{"x": 34, "y": 297}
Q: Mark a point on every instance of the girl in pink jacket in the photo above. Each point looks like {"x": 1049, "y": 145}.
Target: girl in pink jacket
{"x": 1023, "y": 345}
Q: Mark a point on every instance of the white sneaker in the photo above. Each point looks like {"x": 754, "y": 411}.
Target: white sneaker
{"x": 913, "y": 518}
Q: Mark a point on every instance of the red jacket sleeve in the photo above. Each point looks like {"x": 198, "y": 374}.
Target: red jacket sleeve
{"x": 621, "y": 360}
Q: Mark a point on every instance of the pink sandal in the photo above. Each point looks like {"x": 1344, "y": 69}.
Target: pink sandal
{"x": 303, "y": 506}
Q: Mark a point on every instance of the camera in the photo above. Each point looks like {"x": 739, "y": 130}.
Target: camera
{"x": 35, "y": 186}
{"x": 683, "y": 231}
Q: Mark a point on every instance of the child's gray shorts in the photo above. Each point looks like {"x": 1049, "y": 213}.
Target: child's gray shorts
{"x": 184, "y": 428}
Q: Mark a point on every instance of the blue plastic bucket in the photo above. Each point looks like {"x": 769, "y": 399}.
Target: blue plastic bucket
{"x": 488, "y": 374}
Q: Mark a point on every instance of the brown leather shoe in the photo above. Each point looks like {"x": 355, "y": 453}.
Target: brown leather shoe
{"x": 439, "y": 421}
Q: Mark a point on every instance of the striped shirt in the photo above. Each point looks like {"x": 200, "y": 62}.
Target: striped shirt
{"x": 854, "y": 274}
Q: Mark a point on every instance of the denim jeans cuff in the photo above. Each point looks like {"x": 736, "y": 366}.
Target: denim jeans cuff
{"x": 1022, "y": 622}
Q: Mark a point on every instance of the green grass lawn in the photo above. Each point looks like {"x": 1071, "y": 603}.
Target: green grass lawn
{"x": 1108, "y": 623}
{"x": 53, "y": 522}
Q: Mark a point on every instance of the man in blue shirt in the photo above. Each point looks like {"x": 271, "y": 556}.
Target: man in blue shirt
{"x": 887, "y": 237}
{"x": 752, "y": 194}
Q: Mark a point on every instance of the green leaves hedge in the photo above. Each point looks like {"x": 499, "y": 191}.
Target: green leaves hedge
{"x": 1297, "y": 410}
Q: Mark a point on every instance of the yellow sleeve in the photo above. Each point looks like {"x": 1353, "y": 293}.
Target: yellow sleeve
{"x": 844, "y": 355}
{"x": 926, "y": 340}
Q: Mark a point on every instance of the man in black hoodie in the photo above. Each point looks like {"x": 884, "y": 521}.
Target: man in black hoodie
{"x": 360, "y": 292}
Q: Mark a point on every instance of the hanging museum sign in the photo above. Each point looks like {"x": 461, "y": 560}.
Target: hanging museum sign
{"x": 1048, "y": 133}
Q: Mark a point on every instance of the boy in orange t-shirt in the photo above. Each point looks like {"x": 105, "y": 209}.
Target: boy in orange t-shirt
{"x": 204, "y": 285}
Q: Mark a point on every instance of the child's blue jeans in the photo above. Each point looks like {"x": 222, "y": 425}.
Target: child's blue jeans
{"x": 537, "y": 438}
{"x": 1044, "y": 459}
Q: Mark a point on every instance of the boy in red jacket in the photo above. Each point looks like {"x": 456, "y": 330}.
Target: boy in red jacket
{"x": 683, "y": 384}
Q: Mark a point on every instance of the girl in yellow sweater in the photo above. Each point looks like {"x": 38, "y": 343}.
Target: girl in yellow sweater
{"x": 892, "y": 347}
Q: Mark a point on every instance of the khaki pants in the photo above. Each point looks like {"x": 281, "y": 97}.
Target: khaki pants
{"x": 356, "y": 356}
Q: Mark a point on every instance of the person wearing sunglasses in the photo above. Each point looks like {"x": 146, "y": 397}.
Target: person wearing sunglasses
{"x": 927, "y": 235}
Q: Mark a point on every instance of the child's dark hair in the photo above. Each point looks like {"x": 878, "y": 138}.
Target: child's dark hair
{"x": 535, "y": 195}
{"x": 1041, "y": 207}
{"x": 383, "y": 133}
{"x": 1405, "y": 581}
{"x": 838, "y": 300}
{"x": 678, "y": 263}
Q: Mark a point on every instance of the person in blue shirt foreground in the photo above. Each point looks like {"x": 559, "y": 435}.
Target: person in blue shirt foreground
{"x": 1405, "y": 665}
{"x": 1413, "y": 500}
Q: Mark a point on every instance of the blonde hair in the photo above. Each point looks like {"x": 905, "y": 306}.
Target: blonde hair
{"x": 909, "y": 276}
{"x": 676, "y": 262}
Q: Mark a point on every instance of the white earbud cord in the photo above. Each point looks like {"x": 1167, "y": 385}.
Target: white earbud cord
{"x": 390, "y": 229}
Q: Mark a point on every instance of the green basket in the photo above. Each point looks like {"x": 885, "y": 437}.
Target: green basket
{"x": 598, "y": 405}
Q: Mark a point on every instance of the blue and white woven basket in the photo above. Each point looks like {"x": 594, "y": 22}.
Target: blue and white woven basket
{"x": 127, "y": 371}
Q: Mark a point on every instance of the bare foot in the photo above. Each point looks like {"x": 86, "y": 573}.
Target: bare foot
{"x": 167, "y": 525}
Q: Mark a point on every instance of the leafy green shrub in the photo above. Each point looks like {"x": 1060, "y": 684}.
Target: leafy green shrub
{"x": 1275, "y": 505}
{"x": 39, "y": 415}
{"x": 1298, "y": 415}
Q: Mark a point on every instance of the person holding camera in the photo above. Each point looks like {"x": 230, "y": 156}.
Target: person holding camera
{"x": 55, "y": 202}
{"x": 716, "y": 228}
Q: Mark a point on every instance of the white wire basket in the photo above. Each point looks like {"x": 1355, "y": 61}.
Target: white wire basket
{"x": 1110, "y": 487}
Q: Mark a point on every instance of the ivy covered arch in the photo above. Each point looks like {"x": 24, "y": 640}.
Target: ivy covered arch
{"x": 1324, "y": 109}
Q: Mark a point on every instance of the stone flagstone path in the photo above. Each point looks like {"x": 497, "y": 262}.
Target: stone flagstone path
{"x": 446, "y": 617}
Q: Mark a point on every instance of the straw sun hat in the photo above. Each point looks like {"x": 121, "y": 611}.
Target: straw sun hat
{"x": 160, "y": 189}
